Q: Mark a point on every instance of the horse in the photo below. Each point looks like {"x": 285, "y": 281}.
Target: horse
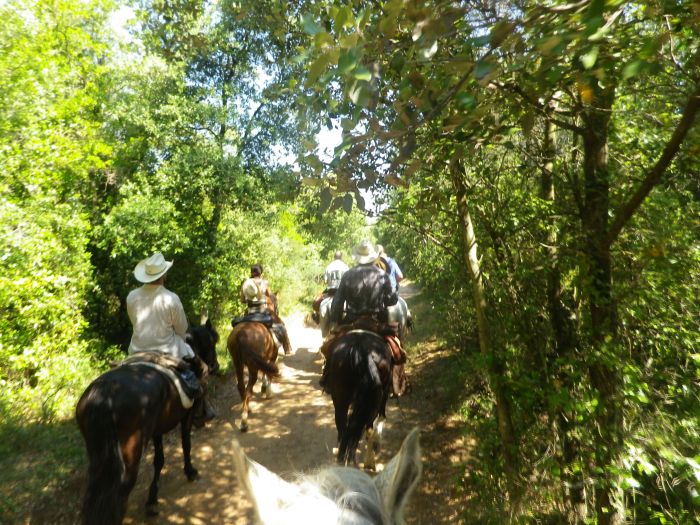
{"x": 400, "y": 315}
{"x": 118, "y": 414}
{"x": 334, "y": 495}
{"x": 324, "y": 315}
{"x": 252, "y": 346}
{"x": 358, "y": 375}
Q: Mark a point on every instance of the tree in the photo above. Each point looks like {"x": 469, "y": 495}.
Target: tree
{"x": 422, "y": 86}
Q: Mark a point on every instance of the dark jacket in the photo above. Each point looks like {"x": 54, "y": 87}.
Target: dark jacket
{"x": 364, "y": 290}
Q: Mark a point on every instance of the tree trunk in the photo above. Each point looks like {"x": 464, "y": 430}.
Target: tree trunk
{"x": 496, "y": 368}
{"x": 604, "y": 364}
{"x": 564, "y": 338}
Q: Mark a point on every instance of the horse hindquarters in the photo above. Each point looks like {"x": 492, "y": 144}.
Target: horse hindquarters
{"x": 110, "y": 480}
{"x": 366, "y": 387}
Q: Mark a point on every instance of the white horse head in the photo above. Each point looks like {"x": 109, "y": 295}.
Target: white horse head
{"x": 334, "y": 495}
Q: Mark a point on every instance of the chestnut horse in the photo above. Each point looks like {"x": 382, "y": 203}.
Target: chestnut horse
{"x": 118, "y": 414}
{"x": 358, "y": 376}
{"x": 251, "y": 346}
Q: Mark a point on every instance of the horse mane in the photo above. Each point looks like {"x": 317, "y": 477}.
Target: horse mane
{"x": 333, "y": 495}
{"x": 356, "y": 497}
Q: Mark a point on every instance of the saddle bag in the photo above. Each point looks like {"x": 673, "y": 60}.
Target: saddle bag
{"x": 190, "y": 383}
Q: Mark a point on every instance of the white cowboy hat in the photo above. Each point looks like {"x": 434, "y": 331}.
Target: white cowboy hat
{"x": 152, "y": 268}
{"x": 364, "y": 253}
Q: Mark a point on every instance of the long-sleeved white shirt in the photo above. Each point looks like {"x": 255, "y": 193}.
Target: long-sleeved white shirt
{"x": 159, "y": 321}
{"x": 334, "y": 272}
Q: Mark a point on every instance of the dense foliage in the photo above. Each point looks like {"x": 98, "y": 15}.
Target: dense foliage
{"x": 558, "y": 139}
{"x": 533, "y": 165}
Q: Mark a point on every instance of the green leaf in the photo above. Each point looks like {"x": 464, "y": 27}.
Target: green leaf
{"x": 362, "y": 73}
{"x": 359, "y": 94}
{"x": 466, "y": 100}
{"x": 482, "y": 69}
{"x": 318, "y": 66}
{"x": 588, "y": 60}
{"x": 312, "y": 181}
{"x": 348, "y": 124}
{"x": 344, "y": 17}
{"x": 633, "y": 69}
{"x": 347, "y": 61}
{"x": 310, "y": 25}
{"x": 500, "y": 32}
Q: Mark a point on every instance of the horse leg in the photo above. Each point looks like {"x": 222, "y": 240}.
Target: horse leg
{"x": 186, "y": 439}
{"x": 266, "y": 388}
{"x": 374, "y": 443}
{"x": 131, "y": 451}
{"x": 158, "y": 462}
{"x": 247, "y": 394}
{"x": 341, "y": 404}
{"x": 240, "y": 381}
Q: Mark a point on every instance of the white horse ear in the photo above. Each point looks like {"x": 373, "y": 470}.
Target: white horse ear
{"x": 400, "y": 476}
{"x": 268, "y": 492}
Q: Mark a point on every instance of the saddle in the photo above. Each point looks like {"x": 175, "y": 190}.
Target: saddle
{"x": 399, "y": 380}
{"x": 273, "y": 323}
{"x": 256, "y": 317}
{"x": 385, "y": 330}
{"x": 178, "y": 370}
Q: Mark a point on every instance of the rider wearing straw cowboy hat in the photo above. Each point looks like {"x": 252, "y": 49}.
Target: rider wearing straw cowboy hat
{"x": 155, "y": 312}
{"x": 159, "y": 320}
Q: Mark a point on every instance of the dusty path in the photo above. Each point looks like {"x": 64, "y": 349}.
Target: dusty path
{"x": 294, "y": 431}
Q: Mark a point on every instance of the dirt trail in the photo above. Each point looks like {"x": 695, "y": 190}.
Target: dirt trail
{"x": 294, "y": 431}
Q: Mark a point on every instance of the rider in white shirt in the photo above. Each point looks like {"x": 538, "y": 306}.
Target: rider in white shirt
{"x": 334, "y": 272}
{"x": 156, "y": 313}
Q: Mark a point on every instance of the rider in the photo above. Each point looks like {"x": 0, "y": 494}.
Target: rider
{"x": 362, "y": 298}
{"x": 159, "y": 321}
{"x": 334, "y": 271}
{"x": 364, "y": 291}
{"x": 391, "y": 267}
{"x": 255, "y": 293}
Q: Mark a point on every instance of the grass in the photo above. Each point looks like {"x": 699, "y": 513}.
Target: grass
{"x": 36, "y": 459}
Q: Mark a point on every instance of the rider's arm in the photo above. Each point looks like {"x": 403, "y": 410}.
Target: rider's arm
{"x": 399, "y": 273}
{"x": 179, "y": 318}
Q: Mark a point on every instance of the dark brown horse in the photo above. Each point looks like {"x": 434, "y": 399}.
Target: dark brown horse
{"x": 118, "y": 414}
{"x": 251, "y": 346}
{"x": 359, "y": 377}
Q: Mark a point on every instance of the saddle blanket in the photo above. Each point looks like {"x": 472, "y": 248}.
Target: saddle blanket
{"x": 186, "y": 383}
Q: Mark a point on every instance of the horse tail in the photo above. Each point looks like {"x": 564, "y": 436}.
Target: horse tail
{"x": 367, "y": 399}
{"x": 271, "y": 369}
{"x": 105, "y": 499}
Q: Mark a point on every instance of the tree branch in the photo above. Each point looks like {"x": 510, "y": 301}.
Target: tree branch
{"x": 541, "y": 108}
{"x": 247, "y": 136}
{"x": 653, "y": 177}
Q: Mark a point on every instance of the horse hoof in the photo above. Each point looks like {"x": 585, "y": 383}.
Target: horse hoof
{"x": 244, "y": 428}
{"x": 151, "y": 509}
{"x": 192, "y": 475}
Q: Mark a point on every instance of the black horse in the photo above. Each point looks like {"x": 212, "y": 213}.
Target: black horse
{"x": 358, "y": 375}
{"x": 118, "y": 414}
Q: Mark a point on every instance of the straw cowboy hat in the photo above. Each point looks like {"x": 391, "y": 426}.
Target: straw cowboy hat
{"x": 364, "y": 253}
{"x": 151, "y": 269}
